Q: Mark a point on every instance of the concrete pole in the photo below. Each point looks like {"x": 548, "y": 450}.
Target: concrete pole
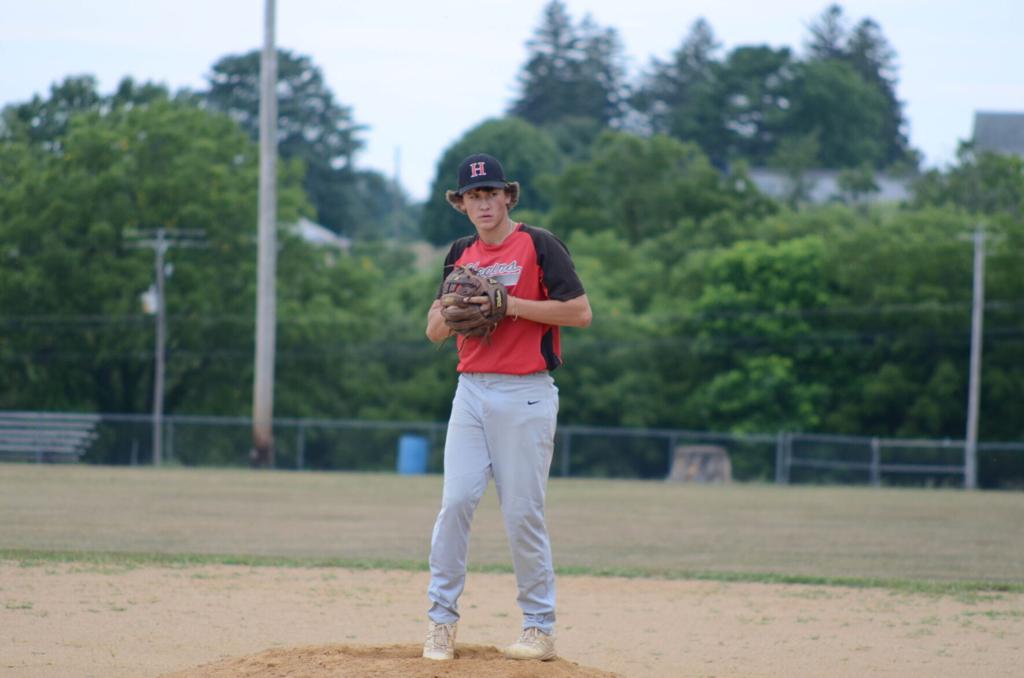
{"x": 262, "y": 453}
{"x": 974, "y": 386}
{"x": 161, "y": 349}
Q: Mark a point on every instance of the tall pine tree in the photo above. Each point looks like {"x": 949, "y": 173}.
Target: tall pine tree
{"x": 828, "y": 35}
{"x": 674, "y": 94}
{"x": 874, "y": 59}
{"x": 312, "y": 126}
{"x": 871, "y": 56}
{"x": 571, "y": 72}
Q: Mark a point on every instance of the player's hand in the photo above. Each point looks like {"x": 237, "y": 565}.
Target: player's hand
{"x": 483, "y": 302}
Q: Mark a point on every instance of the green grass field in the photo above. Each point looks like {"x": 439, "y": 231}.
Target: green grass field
{"x": 906, "y": 538}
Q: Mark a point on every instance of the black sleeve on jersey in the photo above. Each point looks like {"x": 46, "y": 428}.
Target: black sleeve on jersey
{"x": 559, "y": 273}
{"x": 456, "y": 250}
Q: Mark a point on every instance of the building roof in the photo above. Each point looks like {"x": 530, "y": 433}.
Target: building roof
{"x": 999, "y": 132}
{"x": 823, "y": 185}
{"x": 314, "y": 233}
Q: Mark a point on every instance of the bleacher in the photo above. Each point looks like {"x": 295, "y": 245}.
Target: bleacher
{"x": 44, "y": 437}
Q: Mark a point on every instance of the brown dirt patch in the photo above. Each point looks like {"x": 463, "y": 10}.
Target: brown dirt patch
{"x": 382, "y": 661}
{"x": 103, "y": 621}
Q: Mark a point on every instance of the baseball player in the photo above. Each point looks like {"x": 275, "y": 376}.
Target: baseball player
{"x": 502, "y": 423}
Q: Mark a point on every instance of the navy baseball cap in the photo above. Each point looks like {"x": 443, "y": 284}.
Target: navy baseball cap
{"x": 480, "y": 171}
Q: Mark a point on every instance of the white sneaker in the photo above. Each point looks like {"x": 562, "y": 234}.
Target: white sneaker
{"x": 533, "y": 644}
{"x": 440, "y": 643}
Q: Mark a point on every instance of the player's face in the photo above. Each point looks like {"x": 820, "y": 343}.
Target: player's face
{"x": 486, "y": 207}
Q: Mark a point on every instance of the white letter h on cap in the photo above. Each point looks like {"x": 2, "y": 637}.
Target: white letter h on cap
{"x": 477, "y": 169}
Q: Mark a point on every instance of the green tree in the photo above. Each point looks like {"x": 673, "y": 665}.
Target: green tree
{"x": 744, "y": 106}
{"x": 828, "y": 35}
{"x": 753, "y": 94}
{"x": 760, "y": 394}
{"x": 987, "y": 189}
{"x": 906, "y": 279}
{"x": 71, "y": 281}
{"x": 866, "y": 50}
{"x": 526, "y": 153}
{"x": 871, "y": 55}
{"x": 314, "y": 127}
{"x": 734, "y": 108}
{"x": 311, "y": 124}
{"x": 547, "y": 72}
{"x": 849, "y": 135}
{"x": 45, "y": 121}
{"x": 675, "y": 96}
{"x": 611, "y": 376}
{"x": 797, "y": 156}
{"x": 575, "y": 136}
{"x": 601, "y": 87}
{"x": 979, "y": 183}
{"x": 73, "y": 333}
{"x": 571, "y": 71}
{"x": 383, "y": 209}
{"x": 856, "y": 184}
{"x": 752, "y": 338}
{"x": 642, "y": 187}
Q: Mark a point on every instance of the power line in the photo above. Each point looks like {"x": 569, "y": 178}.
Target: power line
{"x": 366, "y": 350}
{"x": 113, "y": 319}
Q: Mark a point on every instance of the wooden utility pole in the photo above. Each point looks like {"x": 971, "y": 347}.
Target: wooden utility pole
{"x": 161, "y": 350}
{"x": 974, "y": 386}
{"x": 161, "y": 240}
{"x": 262, "y": 452}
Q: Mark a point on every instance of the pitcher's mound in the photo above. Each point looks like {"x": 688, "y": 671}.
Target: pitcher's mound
{"x": 381, "y": 661}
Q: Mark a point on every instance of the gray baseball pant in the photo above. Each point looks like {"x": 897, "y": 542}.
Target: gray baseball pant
{"x": 501, "y": 426}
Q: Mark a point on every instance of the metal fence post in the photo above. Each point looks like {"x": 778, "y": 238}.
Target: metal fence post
{"x": 876, "y": 462}
{"x": 778, "y": 458}
{"x": 566, "y": 449}
{"x": 170, "y": 439}
{"x": 43, "y": 437}
{"x": 790, "y": 437}
{"x": 782, "y": 457}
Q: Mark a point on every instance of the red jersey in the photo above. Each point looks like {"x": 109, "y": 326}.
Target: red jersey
{"x": 533, "y": 264}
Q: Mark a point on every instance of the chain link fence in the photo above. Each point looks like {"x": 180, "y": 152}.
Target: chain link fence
{"x": 816, "y": 458}
{"x": 580, "y": 451}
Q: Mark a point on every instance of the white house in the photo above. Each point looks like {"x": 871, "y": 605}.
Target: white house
{"x": 999, "y": 132}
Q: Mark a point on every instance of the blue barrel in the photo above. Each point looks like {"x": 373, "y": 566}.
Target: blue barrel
{"x": 412, "y": 455}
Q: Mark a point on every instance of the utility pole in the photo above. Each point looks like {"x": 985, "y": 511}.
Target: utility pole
{"x": 262, "y": 453}
{"x": 160, "y": 241}
{"x": 974, "y": 386}
{"x": 161, "y": 350}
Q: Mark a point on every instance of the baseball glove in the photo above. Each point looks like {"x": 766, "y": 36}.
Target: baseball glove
{"x": 470, "y": 319}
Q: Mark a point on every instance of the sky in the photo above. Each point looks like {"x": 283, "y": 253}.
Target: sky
{"x": 420, "y": 74}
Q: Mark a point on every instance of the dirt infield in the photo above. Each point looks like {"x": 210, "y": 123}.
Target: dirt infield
{"x": 372, "y": 661}
{"x": 61, "y": 619}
